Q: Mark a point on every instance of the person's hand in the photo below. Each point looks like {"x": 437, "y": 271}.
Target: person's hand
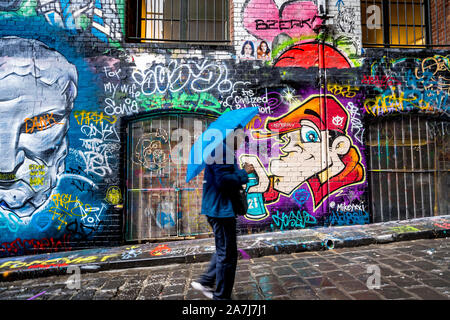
{"x": 260, "y": 171}
{"x": 249, "y": 168}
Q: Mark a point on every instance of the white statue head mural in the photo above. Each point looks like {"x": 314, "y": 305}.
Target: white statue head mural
{"x": 38, "y": 88}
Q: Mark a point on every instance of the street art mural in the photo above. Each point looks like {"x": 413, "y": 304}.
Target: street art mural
{"x": 276, "y": 25}
{"x": 42, "y": 194}
{"x": 408, "y": 84}
{"x": 316, "y": 134}
{"x": 38, "y": 89}
{"x": 293, "y": 18}
{"x": 69, "y": 83}
{"x": 289, "y": 23}
{"x": 305, "y": 132}
{"x": 60, "y": 185}
{"x": 306, "y": 55}
{"x": 97, "y": 18}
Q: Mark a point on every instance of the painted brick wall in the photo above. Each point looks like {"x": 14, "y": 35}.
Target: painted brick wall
{"x": 64, "y": 140}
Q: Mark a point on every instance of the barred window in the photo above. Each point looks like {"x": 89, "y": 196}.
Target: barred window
{"x": 179, "y": 21}
{"x": 394, "y": 22}
{"x": 404, "y": 23}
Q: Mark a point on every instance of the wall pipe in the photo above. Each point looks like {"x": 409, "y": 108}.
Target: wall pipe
{"x": 323, "y": 32}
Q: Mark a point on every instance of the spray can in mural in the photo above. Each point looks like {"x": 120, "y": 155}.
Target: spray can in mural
{"x": 256, "y": 209}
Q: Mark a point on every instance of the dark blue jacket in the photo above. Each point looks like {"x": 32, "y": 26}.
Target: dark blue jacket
{"x": 220, "y": 183}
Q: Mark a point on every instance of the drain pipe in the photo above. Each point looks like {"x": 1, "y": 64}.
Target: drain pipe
{"x": 328, "y": 244}
{"x": 322, "y": 7}
{"x": 323, "y": 32}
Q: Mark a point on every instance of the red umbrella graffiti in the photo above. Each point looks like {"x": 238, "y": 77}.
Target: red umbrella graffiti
{"x": 306, "y": 55}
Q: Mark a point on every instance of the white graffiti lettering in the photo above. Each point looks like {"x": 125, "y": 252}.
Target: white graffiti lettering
{"x": 176, "y": 77}
{"x": 128, "y": 107}
{"x": 356, "y": 124}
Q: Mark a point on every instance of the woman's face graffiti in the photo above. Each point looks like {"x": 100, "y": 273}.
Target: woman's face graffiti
{"x": 264, "y": 47}
{"x": 248, "y": 49}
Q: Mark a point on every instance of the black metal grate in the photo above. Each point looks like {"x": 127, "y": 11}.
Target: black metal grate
{"x": 408, "y": 168}
{"x": 178, "y": 21}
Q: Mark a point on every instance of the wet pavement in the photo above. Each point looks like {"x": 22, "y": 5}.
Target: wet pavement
{"x": 253, "y": 246}
{"x": 405, "y": 270}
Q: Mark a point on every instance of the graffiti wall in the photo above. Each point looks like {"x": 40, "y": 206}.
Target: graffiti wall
{"x": 400, "y": 83}
{"x": 70, "y": 83}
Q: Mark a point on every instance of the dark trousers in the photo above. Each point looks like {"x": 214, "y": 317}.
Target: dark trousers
{"x": 222, "y": 268}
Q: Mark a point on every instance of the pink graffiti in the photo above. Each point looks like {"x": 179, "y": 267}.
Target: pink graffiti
{"x": 264, "y": 20}
{"x": 443, "y": 225}
{"x": 244, "y": 254}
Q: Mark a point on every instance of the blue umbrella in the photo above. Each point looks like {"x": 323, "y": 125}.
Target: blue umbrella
{"x": 225, "y": 124}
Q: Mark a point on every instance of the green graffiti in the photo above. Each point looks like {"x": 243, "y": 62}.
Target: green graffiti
{"x": 27, "y": 9}
{"x": 83, "y": 22}
{"x": 181, "y": 101}
{"x": 404, "y": 229}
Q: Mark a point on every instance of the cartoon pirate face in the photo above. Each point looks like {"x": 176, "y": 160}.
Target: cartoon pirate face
{"x": 303, "y": 155}
{"x": 38, "y": 89}
{"x": 316, "y": 149}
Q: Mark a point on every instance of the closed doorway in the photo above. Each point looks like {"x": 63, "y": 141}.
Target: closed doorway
{"x": 409, "y": 165}
{"x": 160, "y": 204}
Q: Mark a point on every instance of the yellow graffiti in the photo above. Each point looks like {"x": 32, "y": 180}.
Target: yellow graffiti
{"x": 390, "y": 103}
{"x": 434, "y": 65}
{"x": 251, "y": 125}
{"x": 7, "y": 176}
{"x": 21, "y": 264}
{"x": 114, "y": 195}
{"x": 403, "y": 229}
{"x": 64, "y": 206}
{"x": 346, "y": 91}
{"x": 85, "y": 117}
{"x": 37, "y": 175}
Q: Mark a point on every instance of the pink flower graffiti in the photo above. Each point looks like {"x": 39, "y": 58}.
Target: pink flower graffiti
{"x": 264, "y": 20}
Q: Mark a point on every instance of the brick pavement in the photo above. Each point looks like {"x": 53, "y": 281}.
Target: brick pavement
{"x": 417, "y": 269}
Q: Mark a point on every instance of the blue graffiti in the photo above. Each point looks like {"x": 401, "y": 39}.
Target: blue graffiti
{"x": 43, "y": 221}
{"x": 339, "y": 3}
{"x": 165, "y": 220}
{"x": 256, "y": 209}
{"x": 98, "y": 23}
{"x": 301, "y": 196}
{"x": 10, "y": 5}
{"x": 341, "y": 218}
{"x": 72, "y": 16}
{"x": 10, "y": 221}
{"x": 293, "y": 220}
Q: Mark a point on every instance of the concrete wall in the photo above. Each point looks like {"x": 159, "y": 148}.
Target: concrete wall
{"x": 66, "y": 93}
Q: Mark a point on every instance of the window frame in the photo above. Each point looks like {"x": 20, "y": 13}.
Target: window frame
{"x": 386, "y": 24}
{"x": 134, "y": 18}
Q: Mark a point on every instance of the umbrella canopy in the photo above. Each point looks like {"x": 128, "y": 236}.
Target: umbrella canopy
{"x": 223, "y": 126}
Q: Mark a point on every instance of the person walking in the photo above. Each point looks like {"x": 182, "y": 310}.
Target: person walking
{"x": 220, "y": 202}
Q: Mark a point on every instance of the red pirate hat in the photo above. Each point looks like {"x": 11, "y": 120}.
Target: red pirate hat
{"x": 334, "y": 117}
{"x": 306, "y": 55}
